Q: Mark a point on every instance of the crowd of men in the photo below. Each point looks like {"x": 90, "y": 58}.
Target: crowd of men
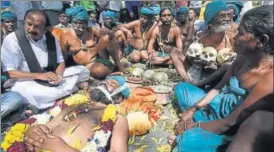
{"x": 52, "y": 50}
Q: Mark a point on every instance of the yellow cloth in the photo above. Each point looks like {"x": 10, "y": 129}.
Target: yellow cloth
{"x": 201, "y": 17}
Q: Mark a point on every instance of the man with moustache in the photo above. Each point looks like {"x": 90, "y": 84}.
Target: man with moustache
{"x": 90, "y": 47}
{"x": 218, "y": 21}
{"x": 138, "y": 34}
{"x": 166, "y": 36}
{"x": 33, "y": 58}
{"x": 187, "y": 27}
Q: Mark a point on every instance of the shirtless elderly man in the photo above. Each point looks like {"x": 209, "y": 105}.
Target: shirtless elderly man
{"x": 249, "y": 79}
{"x": 91, "y": 47}
{"x": 166, "y": 35}
{"x": 216, "y": 36}
{"x": 142, "y": 30}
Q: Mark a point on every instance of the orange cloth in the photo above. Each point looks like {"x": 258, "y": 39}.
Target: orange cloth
{"x": 56, "y": 32}
{"x": 142, "y": 99}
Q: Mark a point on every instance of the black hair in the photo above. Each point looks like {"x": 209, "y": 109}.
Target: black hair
{"x": 97, "y": 95}
{"x": 259, "y": 21}
{"x": 41, "y": 12}
{"x": 196, "y": 11}
{"x": 62, "y": 12}
{"x": 92, "y": 12}
{"x": 163, "y": 9}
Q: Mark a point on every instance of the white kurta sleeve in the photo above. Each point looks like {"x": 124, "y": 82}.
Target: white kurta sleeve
{"x": 10, "y": 53}
{"x": 59, "y": 54}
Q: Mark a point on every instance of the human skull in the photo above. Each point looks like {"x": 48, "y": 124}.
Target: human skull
{"x": 137, "y": 72}
{"x": 148, "y": 74}
{"x": 160, "y": 78}
{"x": 209, "y": 55}
{"x": 225, "y": 55}
{"x": 194, "y": 50}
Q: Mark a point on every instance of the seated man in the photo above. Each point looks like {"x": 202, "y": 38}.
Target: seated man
{"x": 111, "y": 92}
{"x": 186, "y": 26}
{"x": 142, "y": 29}
{"x": 111, "y": 24}
{"x": 34, "y": 59}
{"x": 9, "y": 24}
{"x": 87, "y": 46}
{"x": 63, "y": 21}
{"x": 164, "y": 34}
{"x": 249, "y": 79}
{"x": 216, "y": 37}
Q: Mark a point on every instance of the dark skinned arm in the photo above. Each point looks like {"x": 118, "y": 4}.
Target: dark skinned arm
{"x": 263, "y": 88}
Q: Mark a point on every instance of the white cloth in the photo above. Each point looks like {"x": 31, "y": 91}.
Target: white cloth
{"x": 42, "y": 96}
{"x": 60, "y": 25}
{"x": 115, "y": 5}
{"x": 247, "y": 6}
{"x": 13, "y": 58}
{"x": 36, "y": 94}
{"x": 52, "y": 5}
{"x": 195, "y": 4}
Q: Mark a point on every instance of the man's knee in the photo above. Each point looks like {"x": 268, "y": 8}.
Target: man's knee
{"x": 99, "y": 71}
{"x": 135, "y": 57}
{"x": 175, "y": 54}
{"x": 144, "y": 54}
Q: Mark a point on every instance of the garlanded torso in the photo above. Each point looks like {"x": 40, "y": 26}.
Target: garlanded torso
{"x": 81, "y": 127}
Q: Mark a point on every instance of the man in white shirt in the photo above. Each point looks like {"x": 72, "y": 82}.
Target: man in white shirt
{"x": 61, "y": 81}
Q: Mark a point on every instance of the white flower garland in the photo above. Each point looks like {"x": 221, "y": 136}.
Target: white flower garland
{"x": 98, "y": 142}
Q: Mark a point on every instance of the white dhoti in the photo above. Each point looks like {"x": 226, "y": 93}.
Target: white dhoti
{"x": 43, "y": 96}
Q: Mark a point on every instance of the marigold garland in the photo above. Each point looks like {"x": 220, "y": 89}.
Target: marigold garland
{"x": 15, "y": 134}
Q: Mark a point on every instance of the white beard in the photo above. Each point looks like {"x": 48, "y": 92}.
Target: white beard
{"x": 221, "y": 28}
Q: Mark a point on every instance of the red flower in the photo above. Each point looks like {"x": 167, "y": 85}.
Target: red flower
{"x": 28, "y": 121}
{"x": 17, "y": 147}
{"x": 63, "y": 106}
{"x": 107, "y": 126}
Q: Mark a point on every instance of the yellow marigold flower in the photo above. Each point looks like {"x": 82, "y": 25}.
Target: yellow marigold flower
{"x": 16, "y": 133}
{"x": 76, "y": 99}
{"x": 110, "y": 113}
{"x": 5, "y": 145}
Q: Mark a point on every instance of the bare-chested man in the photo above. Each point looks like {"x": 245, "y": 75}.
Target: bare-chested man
{"x": 141, "y": 30}
{"x": 88, "y": 116}
{"x": 166, "y": 34}
{"x": 186, "y": 26}
{"x": 216, "y": 35}
{"x": 253, "y": 69}
{"x": 111, "y": 24}
{"x": 87, "y": 46}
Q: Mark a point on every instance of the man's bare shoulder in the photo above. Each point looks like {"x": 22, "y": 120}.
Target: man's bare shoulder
{"x": 66, "y": 31}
